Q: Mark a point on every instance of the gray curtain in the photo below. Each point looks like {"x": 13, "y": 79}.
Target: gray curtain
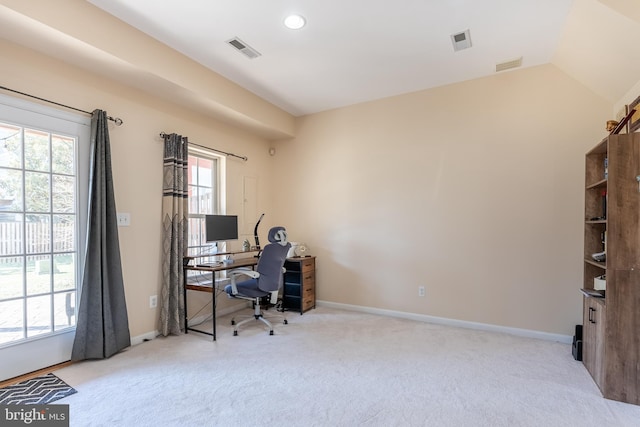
{"x": 174, "y": 234}
{"x": 103, "y": 325}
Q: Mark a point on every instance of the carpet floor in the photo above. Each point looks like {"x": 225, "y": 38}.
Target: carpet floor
{"x": 339, "y": 368}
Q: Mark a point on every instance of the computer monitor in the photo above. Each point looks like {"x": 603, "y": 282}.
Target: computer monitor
{"x": 221, "y": 227}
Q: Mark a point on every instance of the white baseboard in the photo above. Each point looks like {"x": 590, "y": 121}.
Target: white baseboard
{"x": 139, "y": 339}
{"x": 567, "y": 339}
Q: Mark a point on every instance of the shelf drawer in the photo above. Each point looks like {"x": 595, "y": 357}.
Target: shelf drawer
{"x": 308, "y": 264}
{"x": 291, "y": 303}
{"x": 309, "y": 290}
{"x": 292, "y": 289}
{"x": 297, "y": 276}
{"x": 292, "y": 277}
{"x": 300, "y": 264}
{"x": 309, "y": 284}
{"x": 308, "y": 303}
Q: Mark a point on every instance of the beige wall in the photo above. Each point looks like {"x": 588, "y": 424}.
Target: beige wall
{"x": 137, "y": 152}
{"x": 472, "y": 190}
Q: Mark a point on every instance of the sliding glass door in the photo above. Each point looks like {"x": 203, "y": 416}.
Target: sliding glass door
{"x": 44, "y": 158}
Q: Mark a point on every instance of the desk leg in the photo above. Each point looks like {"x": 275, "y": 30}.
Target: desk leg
{"x": 184, "y": 294}
{"x": 213, "y": 304}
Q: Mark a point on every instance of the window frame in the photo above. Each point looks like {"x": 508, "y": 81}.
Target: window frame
{"x": 217, "y": 199}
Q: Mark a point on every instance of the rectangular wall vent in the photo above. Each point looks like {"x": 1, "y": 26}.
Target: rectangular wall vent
{"x": 244, "y": 48}
{"x": 507, "y": 65}
{"x": 461, "y": 40}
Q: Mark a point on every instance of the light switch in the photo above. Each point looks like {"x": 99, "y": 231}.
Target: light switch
{"x": 124, "y": 219}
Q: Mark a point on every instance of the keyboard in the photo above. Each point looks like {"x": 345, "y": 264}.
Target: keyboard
{"x": 209, "y": 264}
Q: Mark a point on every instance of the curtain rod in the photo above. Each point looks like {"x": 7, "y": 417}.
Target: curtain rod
{"x": 117, "y": 120}
{"x": 163, "y": 134}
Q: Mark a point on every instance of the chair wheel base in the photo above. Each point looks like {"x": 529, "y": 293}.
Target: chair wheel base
{"x": 270, "y": 332}
{"x": 235, "y": 333}
{"x": 285, "y": 322}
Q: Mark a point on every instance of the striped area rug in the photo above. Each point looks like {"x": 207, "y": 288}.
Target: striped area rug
{"x": 35, "y": 391}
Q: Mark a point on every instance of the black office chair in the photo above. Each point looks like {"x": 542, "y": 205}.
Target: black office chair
{"x": 265, "y": 282}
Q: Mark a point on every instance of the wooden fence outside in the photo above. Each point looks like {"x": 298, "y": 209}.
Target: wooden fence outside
{"x": 35, "y": 238}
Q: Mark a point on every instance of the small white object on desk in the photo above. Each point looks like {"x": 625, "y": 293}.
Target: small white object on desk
{"x": 297, "y": 250}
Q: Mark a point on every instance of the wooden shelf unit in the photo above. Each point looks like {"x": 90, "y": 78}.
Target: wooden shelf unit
{"x": 300, "y": 284}
{"x": 611, "y": 331}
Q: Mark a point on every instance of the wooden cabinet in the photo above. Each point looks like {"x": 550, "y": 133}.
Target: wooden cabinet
{"x": 611, "y": 332}
{"x": 593, "y": 338}
{"x": 299, "y": 284}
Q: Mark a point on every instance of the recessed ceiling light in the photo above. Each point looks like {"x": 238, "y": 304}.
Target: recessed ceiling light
{"x": 294, "y": 22}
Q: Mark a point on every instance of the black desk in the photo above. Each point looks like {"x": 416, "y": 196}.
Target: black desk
{"x": 210, "y": 287}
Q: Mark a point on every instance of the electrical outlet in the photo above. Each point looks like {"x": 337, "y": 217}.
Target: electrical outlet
{"x": 124, "y": 219}
{"x": 153, "y": 301}
{"x": 421, "y": 291}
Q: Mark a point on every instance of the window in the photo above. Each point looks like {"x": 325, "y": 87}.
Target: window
{"x": 204, "y": 196}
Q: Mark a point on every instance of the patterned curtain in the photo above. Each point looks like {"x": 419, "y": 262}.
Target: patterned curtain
{"x": 103, "y": 324}
{"x": 174, "y": 234}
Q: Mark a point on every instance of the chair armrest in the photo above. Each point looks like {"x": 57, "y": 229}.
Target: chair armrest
{"x": 233, "y": 274}
{"x": 244, "y": 272}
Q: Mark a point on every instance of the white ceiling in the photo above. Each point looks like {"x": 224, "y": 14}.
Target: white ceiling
{"x": 351, "y": 51}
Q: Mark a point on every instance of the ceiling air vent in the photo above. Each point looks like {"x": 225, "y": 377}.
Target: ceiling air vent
{"x": 244, "y": 48}
{"x": 507, "y": 65}
{"x": 461, "y": 40}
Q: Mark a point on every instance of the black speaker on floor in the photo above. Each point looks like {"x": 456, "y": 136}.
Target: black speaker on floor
{"x": 576, "y": 348}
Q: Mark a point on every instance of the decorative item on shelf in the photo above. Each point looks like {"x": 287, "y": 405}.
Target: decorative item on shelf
{"x": 599, "y": 256}
{"x": 600, "y": 283}
{"x": 246, "y": 246}
{"x": 611, "y": 125}
{"x": 623, "y": 122}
